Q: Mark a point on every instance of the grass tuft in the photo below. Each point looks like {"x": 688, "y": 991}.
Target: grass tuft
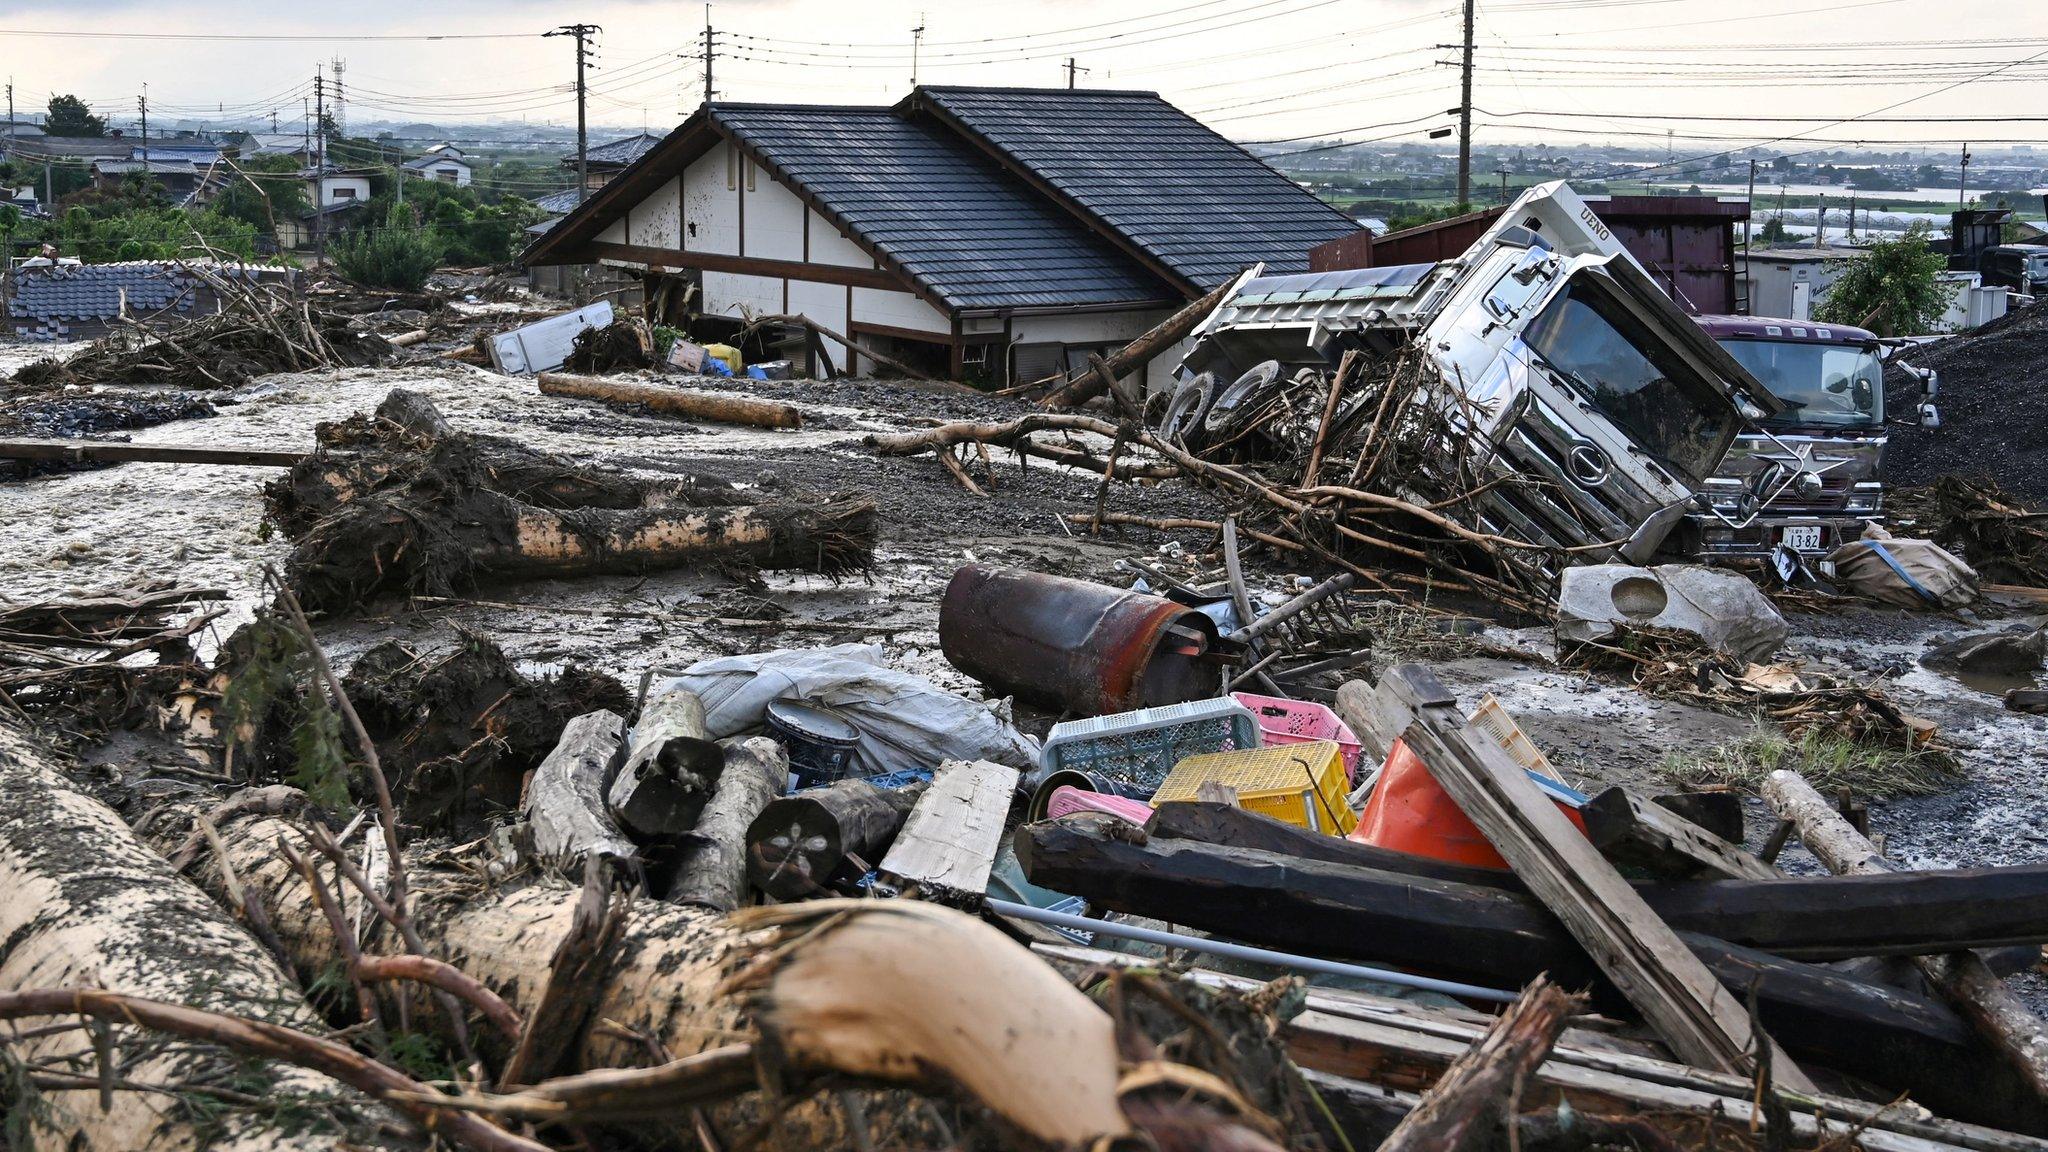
{"x": 1828, "y": 762}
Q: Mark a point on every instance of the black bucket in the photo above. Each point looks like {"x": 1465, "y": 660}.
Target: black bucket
{"x": 820, "y": 741}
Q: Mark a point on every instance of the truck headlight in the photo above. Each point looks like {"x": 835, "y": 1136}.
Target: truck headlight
{"x": 1863, "y": 502}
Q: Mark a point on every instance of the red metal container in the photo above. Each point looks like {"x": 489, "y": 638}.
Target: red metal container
{"x": 1088, "y": 648}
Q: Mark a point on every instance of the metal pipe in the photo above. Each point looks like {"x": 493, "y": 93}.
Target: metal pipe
{"x": 1247, "y": 952}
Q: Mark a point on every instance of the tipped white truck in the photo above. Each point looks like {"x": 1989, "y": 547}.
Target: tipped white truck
{"x": 1572, "y": 365}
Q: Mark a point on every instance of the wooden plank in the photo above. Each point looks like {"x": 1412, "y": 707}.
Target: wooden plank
{"x": 1426, "y": 1036}
{"x": 111, "y": 451}
{"x": 1701, "y": 1021}
{"x": 1630, "y": 830}
{"x": 947, "y": 846}
{"x": 2007, "y": 1025}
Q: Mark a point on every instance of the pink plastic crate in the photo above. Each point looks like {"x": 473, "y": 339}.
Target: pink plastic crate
{"x": 1283, "y": 721}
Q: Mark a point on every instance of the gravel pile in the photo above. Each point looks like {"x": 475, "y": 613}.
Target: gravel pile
{"x": 1994, "y": 408}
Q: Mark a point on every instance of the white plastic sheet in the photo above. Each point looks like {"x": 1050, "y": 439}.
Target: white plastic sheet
{"x": 905, "y": 720}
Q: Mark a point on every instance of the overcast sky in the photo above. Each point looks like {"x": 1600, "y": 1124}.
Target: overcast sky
{"x": 1254, "y": 69}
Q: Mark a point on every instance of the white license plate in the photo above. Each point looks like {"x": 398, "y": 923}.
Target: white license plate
{"x": 1804, "y": 537}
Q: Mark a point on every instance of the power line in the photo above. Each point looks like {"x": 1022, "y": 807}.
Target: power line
{"x": 1772, "y": 119}
{"x": 268, "y": 37}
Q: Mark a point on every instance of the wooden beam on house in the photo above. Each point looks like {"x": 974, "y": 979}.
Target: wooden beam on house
{"x": 676, "y": 259}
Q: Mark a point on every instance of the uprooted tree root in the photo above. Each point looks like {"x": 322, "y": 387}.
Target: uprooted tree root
{"x": 2005, "y": 540}
{"x": 104, "y": 660}
{"x": 419, "y": 508}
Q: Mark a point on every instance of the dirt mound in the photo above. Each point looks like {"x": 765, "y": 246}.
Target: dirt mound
{"x": 1994, "y": 408}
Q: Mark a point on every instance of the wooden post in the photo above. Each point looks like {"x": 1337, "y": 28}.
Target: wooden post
{"x": 565, "y": 800}
{"x": 713, "y": 872}
{"x": 1645, "y": 960}
{"x": 670, "y": 769}
{"x": 2005, "y": 1023}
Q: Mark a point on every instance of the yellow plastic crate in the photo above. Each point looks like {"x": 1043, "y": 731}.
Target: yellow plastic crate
{"x": 1302, "y": 784}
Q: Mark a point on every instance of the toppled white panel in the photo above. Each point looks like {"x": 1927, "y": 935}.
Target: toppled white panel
{"x": 545, "y": 344}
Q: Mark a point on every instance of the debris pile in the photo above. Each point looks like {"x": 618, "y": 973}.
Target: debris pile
{"x": 1994, "y": 408}
{"x": 260, "y": 328}
{"x": 403, "y": 503}
{"x": 2003, "y": 537}
{"x": 103, "y": 660}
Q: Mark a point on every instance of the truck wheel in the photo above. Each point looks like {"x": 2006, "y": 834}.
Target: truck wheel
{"x": 1184, "y": 412}
{"x": 1241, "y": 396}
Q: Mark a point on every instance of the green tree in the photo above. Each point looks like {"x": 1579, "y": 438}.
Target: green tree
{"x": 1894, "y": 288}
{"x": 273, "y": 177}
{"x": 69, "y": 116}
{"x": 399, "y": 255}
{"x": 1773, "y": 231}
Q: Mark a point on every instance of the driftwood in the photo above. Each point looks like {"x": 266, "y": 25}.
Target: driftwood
{"x": 948, "y": 843}
{"x": 565, "y": 802}
{"x": 2007, "y": 1025}
{"x": 89, "y": 905}
{"x": 1703, "y": 1022}
{"x": 674, "y": 401}
{"x": 1482, "y": 1088}
{"x": 670, "y": 767}
{"x": 1630, "y": 830}
{"x": 713, "y": 869}
{"x": 1139, "y": 352}
{"x": 799, "y": 842}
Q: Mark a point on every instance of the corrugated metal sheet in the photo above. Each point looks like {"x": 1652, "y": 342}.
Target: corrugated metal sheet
{"x": 1170, "y": 186}
{"x": 928, "y": 201}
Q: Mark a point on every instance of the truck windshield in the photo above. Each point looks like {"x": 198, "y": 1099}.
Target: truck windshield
{"x": 1839, "y": 385}
{"x": 1634, "y": 379}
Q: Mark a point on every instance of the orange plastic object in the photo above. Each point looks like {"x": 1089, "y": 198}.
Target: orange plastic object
{"x": 1409, "y": 812}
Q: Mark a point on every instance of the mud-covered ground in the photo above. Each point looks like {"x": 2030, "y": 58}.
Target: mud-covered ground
{"x": 204, "y": 525}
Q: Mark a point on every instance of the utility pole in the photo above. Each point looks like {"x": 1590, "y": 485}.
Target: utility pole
{"x": 319, "y": 167}
{"x": 916, "y": 42}
{"x": 142, "y": 104}
{"x": 10, "y": 89}
{"x": 1465, "y": 113}
{"x": 582, "y": 34}
{"x": 1748, "y": 222}
{"x": 1820, "y": 222}
{"x": 710, "y": 51}
{"x": 1503, "y": 171}
{"x": 1963, "y": 183}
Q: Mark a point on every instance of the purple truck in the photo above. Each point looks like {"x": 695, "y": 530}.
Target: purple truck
{"x": 1810, "y": 477}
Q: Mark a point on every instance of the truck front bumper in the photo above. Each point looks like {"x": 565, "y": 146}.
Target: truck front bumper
{"x": 1711, "y": 539}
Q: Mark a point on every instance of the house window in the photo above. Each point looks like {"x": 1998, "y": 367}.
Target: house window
{"x": 344, "y": 193}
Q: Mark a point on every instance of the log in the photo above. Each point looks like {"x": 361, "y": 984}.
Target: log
{"x": 564, "y": 803}
{"x": 670, "y": 768}
{"x": 1495, "y": 937}
{"x": 1629, "y": 830}
{"x": 1141, "y": 351}
{"x": 724, "y": 409}
{"x": 115, "y": 452}
{"x": 2006, "y": 1024}
{"x": 948, "y": 843}
{"x": 799, "y": 842}
{"x": 408, "y": 339}
{"x": 1480, "y": 1089}
{"x": 712, "y": 872}
{"x": 1703, "y": 1022}
{"x": 896, "y": 992}
{"x": 89, "y": 904}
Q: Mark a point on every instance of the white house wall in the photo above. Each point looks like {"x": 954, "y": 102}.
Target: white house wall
{"x": 733, "y": 294}
{"x": 826, "y": 304}
{"x": 1105, "y": 328}
{"x": 711, "y": 209}
{"x": 829, "y": 247}
{"x": 898, "y": 310}
{"x": 657, "y": 222}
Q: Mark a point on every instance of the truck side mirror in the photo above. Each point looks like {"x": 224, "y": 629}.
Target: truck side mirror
{"x": 1930, "y": 416}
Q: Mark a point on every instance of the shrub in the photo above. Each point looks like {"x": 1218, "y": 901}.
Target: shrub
{"x": 398, "y": 255}
{"x": 1894, "y": 288}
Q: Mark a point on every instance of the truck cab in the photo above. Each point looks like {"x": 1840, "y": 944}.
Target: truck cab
{"x": 2020, "y": 267}
{"x": 1810, "y": 476}
{"x": 1563, "y": 359}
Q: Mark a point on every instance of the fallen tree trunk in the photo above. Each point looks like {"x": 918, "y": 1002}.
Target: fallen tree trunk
{"x": 797, "y": 842}
{"x": 895, "y": 992}
{"x": 674, "y": 401}
{"x": 712, "y": 872}
{"x": 88, "y": 904}
{"x": 1492, "y": 936}
{"x": 2007, "y": 1025}
{"x": 442, "y": 544}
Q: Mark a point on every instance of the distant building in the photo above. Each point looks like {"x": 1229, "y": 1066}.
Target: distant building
{"x": 444, "y": 163}
{"x": 1002, "y": 233}
{"x": 1791, "y": 282}
{"x": 294, "y": 144}
{"x": 606, "y": 160}
{"x": 179, "y": 177}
